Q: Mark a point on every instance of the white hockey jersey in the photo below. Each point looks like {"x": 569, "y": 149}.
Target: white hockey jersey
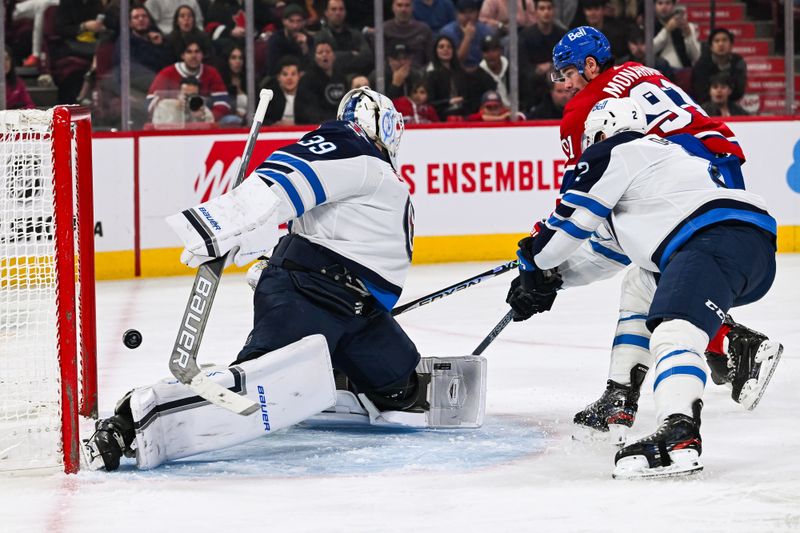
{"x": 649, "y": 195}
{"x": 339, "y": 191}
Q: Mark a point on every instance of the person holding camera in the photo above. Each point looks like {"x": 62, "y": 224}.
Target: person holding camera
{"x": 676, "y": 38}
{"x": 186, "y": 108}
{"x": 211, "y": 86}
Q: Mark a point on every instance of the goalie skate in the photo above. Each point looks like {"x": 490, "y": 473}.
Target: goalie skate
{"x": 454, "y": 396}
{"x": 673, "y": 450}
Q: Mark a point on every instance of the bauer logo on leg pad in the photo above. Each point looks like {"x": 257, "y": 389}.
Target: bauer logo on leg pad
{"x": 262, "y": 399}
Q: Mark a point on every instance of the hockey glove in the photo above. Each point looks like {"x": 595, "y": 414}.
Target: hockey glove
{"x": 534, "y": 290}
{"x": 242, "y": 223}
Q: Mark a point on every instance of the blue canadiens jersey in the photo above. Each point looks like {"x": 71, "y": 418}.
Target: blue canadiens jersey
{"x": 648, "y": 196}
{"x": 338, "y": 190}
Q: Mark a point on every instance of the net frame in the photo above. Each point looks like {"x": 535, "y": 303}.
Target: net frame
{"x": 75, "y": 317}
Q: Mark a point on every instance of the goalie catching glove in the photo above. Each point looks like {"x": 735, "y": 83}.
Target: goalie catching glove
{"x": 534, "y": 290}
{"x": 241, "y": 223}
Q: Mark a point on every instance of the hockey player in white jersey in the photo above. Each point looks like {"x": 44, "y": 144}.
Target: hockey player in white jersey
{"x": 322, "y": 303}
{"x": 711, "y": 248}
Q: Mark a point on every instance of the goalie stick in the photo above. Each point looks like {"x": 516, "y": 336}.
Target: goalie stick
{"x": 483, "y": 276}
{"x": 183, "y": 360}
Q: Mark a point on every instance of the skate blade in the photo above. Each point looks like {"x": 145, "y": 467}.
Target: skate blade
{"x": 615, "y": 435}
{"x": 769, "y": 353}
{"x": 684, "y": 463}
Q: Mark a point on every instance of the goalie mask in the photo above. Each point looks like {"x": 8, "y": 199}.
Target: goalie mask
{"x": 612, "y": 116}
{"x": 376, "y": 115}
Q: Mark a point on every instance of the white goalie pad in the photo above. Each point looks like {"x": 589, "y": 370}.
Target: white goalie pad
{"x": 291, "y": 384}
{"x": 456, "y": 395}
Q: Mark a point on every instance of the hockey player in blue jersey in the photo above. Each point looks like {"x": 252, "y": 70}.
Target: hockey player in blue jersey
{"x": 323, "y": 302}
{"x": 711, "y": 248}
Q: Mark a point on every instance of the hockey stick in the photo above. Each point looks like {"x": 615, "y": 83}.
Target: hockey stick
{"x": 183, "y": 361}
{"x": 494, "y": 333}
{"x": 483, "y": 276}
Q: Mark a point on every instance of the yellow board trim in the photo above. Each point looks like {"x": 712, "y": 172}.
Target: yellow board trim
{"x": 159, "y": 262}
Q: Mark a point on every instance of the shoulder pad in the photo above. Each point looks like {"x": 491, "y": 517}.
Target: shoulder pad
{"x": 335, "y": 139}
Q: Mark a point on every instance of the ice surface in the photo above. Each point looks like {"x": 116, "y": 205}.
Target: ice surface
{"x": 521, "y": 472}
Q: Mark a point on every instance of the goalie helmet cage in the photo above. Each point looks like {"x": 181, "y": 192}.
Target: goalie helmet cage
{"x": 47, "y": 299}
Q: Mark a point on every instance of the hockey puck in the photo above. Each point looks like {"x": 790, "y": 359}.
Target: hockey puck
{"x": 132, "y": 339}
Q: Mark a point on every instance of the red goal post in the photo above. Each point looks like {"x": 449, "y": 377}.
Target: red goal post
{"x": 48, "y": 370}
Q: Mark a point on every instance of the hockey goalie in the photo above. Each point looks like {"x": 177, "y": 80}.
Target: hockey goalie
{"x": 321, "y": 305}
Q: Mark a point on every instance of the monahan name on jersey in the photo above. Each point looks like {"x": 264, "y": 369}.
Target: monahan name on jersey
{"x": 650, "y": 194}
{"x": 339, "y": 190}
{"x": 668, "y": 111}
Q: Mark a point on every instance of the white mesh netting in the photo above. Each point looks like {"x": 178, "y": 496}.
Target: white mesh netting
{"x": 30, "y": 423}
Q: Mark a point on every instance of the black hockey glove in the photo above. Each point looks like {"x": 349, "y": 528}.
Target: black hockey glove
{"x": 534, "y": 290}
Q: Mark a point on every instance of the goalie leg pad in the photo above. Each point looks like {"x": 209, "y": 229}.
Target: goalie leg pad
{"x": 291, "y": 384}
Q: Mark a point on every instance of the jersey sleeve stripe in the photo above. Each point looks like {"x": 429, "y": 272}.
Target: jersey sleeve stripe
{"x": 609, "y": 253}
{"x": 587, "y": 203}
{"x": 568, "y": 227}
{"x": 287, "y": 186}
{"x": 306, "y": 171}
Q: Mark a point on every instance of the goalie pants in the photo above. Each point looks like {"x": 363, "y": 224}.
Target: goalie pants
{"x": 370, "y": 348}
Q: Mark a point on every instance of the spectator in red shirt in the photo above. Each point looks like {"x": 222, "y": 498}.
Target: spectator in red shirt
{"x": 17, "y": 96}
{"x": 212, "y": 88}
{"x": 415, "y": 107}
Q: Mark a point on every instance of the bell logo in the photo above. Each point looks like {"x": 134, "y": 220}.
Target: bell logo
{"x": 580, "y": 32}
{"x": 222, "y": 164}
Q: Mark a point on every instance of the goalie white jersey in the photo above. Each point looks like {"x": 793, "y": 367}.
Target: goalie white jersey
{"x": 339, "y": 191}
{"x": 650, "y": 195}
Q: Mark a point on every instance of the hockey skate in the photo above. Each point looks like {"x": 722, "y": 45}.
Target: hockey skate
{"x": 673, "y": 450}
{"x": 749, "y": 366}
{"x": 111, "y": 440}
{"x": 614, "y": 413}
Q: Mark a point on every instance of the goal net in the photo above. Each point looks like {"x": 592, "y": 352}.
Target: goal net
{"x": 46, "y": 287}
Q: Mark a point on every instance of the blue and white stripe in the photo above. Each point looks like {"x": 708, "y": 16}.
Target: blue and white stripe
{"x": 304, "y": 170}
{"x": 676, "y": 363}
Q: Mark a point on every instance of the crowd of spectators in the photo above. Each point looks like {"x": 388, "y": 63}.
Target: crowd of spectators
{"x": 446, "y": 60}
